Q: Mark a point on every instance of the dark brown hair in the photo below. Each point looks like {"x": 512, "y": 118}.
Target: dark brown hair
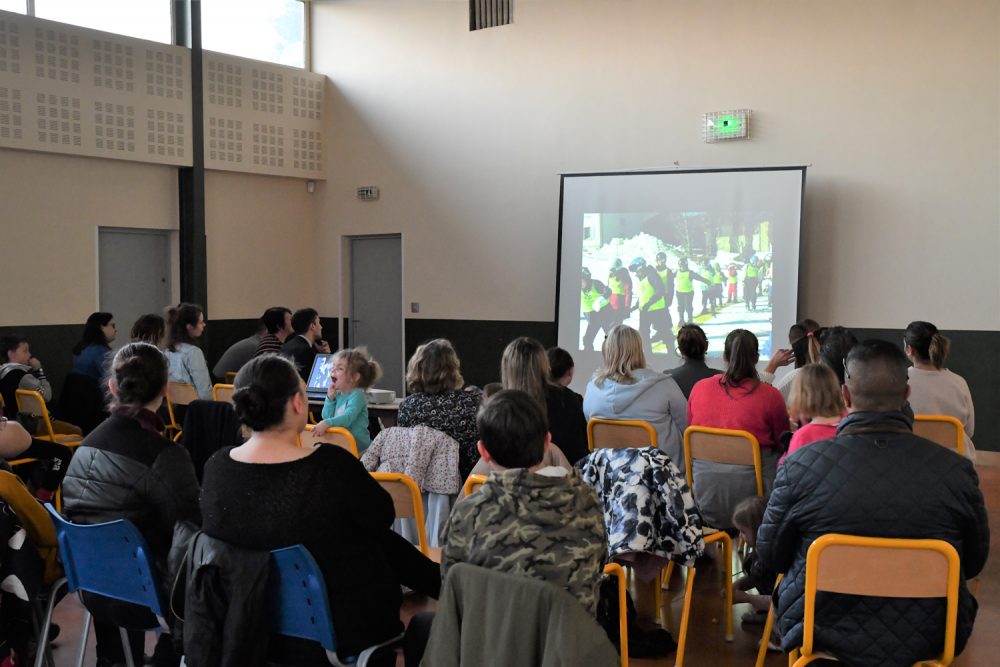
{"x": 741, "y": 359}
{"x": 927, "y": 343}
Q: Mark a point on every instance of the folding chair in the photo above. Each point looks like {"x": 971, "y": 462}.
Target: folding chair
{"x": 880, "y": 567}
{"x": 406, "y": 500}
{"x": 109, "y": 559}
{"x": 178, "y": 393}
{"x": 472, "y": 484}
{"x": 615, "y": 570}
{"x": 335, "y": 435}
{"x": 33, "y": 403}
{"x": 945, "y": 430}
{"x": 223, "y": 392}
{"x": 300, "y": 605}
{"x": 619, "y": 433}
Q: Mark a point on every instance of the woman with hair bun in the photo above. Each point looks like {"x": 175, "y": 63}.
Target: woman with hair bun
{"x": 126, "y": 469}
{"x": 935, "y": 390}
{"x": 271, "y": 492}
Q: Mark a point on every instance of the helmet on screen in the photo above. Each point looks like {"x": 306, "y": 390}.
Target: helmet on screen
{"x": 661, "y": 257}
{"x": 637, "y": 264}
{"x": 586, "y": 272}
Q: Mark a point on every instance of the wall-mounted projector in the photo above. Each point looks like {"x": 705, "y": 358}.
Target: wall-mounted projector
{"x": 380, "y": 396}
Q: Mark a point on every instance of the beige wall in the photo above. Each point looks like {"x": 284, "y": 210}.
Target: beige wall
{"x": 892, "y": 103}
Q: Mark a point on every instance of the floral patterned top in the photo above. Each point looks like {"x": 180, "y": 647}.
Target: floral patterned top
{"x": 452, "y": 413}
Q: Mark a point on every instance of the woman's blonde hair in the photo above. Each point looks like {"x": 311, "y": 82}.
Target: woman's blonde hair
{"x": 622, "y": 353}
{"x": 816, "y": 392}
{"x": 525, "y": 366}
{"x": 434, "y": 368}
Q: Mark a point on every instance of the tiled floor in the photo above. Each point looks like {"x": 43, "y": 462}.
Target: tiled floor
{"x": 706, "y": 644}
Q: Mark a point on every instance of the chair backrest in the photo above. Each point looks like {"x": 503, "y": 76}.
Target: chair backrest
{"x": 335, "y": 435}
{"x": 472, "y": 484}
{"x": 181, "y": 393}
{"x": 109, "y": 559}
{"x": 230, "y": 376}
{"x": 406, "y": 500}
{"x": 35, "y": 520}
{"x": 297, "y": 597}
{"x": 619, "y": 433}
{"x": 945, "y": 430}
{"x": 33, "y": 403}
{"x": 882, "y": 567}
{"x": 223, "y": 392}
{"x": 722, "y": 445}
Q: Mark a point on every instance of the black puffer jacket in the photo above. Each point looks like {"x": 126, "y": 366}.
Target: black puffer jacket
{"x": 875, "y": 478}
{"x": 125, "y": 471}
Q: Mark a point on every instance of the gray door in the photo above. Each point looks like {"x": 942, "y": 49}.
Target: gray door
{"x": 133, "y": 274}
{"x": 377, "y": 304}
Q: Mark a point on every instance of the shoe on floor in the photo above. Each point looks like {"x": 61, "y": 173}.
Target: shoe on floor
{"x": 754, "y": 617}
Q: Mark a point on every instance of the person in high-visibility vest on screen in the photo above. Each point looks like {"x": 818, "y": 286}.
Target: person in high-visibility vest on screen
{"x": 711, "y": 294}
{"x": 596, "y": 308}
{"x": 667, "y": 277}
{"x": 751, "y": 280}
{"x": 620, "y": 284}
{"x": 684, "y": 283}
{"x": 651, "y": 304}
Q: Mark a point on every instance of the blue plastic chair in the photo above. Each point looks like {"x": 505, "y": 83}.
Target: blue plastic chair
{"x": 301, "y": 608}
{"x": 109, "y": 559}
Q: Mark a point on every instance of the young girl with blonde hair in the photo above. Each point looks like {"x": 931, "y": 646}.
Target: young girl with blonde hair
{"x": 816, "y": 402}
{"x": 346, "y": 406}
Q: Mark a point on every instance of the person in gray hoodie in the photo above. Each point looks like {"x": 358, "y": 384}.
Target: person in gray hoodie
{"x": 623, "y": 388}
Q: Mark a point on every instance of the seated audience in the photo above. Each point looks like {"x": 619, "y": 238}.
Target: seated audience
{"x": 525, "y": 367}
{"x": 346, "y": 405}
{"x": 747, "y": 518}
{"x": 935, "y": 390}
{"x": 736, "y": 399}
{"x": 278, "y": 322}
{"x": 307, "y": 341}
{"x": 834, "y": 344}
{"x": 692, "y": 344}
{"x": 560, "y": 366}
{"x": 815, "y": 402}
{"x": 239, "y": 353}
{"x": 436, "y": 399}
{"x": 876, "y": 479}
{"x": 805, "y": 350}
{"x": 491, "y": 388}
{"x": 92, "y": 354}
{"x": 16, "y": 443}
{"x": 320, "y": 497}
{"x": 149, "y": 328}
{"x": 125, "y": 469}
{"x": 185, "y": 324}
{"x": 623, "y": 388}
{"x": 20, "y": 370}
{"x": 536, "y": 521}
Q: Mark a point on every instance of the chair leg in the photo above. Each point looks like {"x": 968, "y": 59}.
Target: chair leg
{"x": 126, "y": 647}
{"x": 84, "y": 634}
{"x": 727, "y": 559}
{"x": 685, "y": 617}
{"x": 657, "y": 600}
{"x": 765, "y": 638}
{"x": 43, "y": 632}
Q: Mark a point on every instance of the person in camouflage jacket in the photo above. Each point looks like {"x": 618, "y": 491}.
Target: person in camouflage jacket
{"x": 541, "y": 522}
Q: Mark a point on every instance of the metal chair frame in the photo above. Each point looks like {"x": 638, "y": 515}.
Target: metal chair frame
{"x": 407, "y": 501}
{"x": 334, "y": 435}
{"x": 626, "y": 433}
{"x": 930, "y": 427}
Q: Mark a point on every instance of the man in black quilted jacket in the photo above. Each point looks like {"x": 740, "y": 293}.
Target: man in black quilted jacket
{"x": 877, "y": 479}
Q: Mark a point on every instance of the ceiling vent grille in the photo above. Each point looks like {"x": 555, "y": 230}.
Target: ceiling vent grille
{"x": 489, "y": 13}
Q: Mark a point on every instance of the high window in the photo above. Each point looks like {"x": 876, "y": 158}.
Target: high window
{"x": 268, "y": 30}
{"x": 145, "y": 19}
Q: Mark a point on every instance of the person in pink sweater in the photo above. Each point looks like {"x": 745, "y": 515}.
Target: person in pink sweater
{"x": 816, "y": 402}
{"x": 736, "y": 399}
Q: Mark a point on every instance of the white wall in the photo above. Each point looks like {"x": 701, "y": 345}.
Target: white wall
{"x": 892, "y": 103}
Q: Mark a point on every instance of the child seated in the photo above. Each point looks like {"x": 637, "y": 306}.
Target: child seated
{"x": 815, "y": 402}
{"x": 346, "y": 406}
{"x": 530, "y": 519}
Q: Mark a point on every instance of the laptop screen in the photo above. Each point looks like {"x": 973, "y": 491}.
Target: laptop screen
{"x": 319, "y": 376}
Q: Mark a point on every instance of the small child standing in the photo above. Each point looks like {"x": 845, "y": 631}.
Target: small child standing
{"x": 747, "y": 517}
{"x": 346, "y": 406}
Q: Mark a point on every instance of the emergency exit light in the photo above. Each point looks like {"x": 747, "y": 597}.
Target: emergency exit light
{"x": 726, "y": 125}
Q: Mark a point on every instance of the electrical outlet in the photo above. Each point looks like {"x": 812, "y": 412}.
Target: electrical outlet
{"x": 414, "y": 307}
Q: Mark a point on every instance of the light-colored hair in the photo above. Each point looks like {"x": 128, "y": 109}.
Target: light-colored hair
{"x": 434, "y": 368}
{"x": 359, "y": 361}
{"x": 525, "y": 366}
{"x": 622, "y": 353}
{"x": 816, "y": 392}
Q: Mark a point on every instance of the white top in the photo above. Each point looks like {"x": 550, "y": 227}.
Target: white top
{"x": 944, "y": 393}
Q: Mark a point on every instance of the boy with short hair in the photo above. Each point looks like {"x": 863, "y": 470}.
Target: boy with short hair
{"x": 542, "y": 522}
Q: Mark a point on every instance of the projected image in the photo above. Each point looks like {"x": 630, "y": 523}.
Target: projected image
{"x": 658, "y": 271}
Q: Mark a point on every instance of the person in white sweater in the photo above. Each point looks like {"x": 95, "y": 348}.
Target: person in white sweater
{"x": 935, "y": 390}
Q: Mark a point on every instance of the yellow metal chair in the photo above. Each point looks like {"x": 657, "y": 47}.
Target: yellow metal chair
{"x": 406, "y": 499}
{"x": 32, "y": 403}
{"x": 178, "y": 393}
{"x": 230, "y": 377}
{"x": 472, "y": 484}
{"x": 335, "y": 435}
{"x": 615, "y": 570}
{"x": 223, "y": 392}
{"x": 880, "y": 567}
{"x": 768, "y": 627}
{"x": 945, "y": 430}
{"x": 619, "y": 434}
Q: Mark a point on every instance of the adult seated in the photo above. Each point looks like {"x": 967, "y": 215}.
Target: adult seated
{"x": 436, "y": 399}
{"x": 278, "y": 322}
{"x": 186, "y": 324}
{"x": 738, "y": 400}
{"x": 692, "y": 343}
{"x": 125, "y": 469}
{"x": 874, "y": 479}
{"x": 20, "y": 370}
{"x": 239, "y": 353}
{"x": 318, "y": 496}
{"x": 16, "y": 443}
{"x": 93, "y": 352}
{"x": 623, "y": 388}
{"x": 307, "y": 341}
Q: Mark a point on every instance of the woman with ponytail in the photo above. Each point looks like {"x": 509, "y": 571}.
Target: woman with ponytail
{"x": 185, "y": 325}
{"x": 736, "y": 399}
{"x": 935, "y": 390}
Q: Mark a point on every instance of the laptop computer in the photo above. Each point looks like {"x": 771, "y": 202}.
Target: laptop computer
{"x": 319, "y": 377}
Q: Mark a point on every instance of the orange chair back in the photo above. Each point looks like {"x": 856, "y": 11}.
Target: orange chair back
{"x": 619, "y": 433}
{"x": 472, "y": 484}
{"x": 223, "y": 392}
{"x": 722, "y": 445}
{"x": 945, "y": 430}
{"x": 335, "y": 435}
{"x": 406, "y": 500}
